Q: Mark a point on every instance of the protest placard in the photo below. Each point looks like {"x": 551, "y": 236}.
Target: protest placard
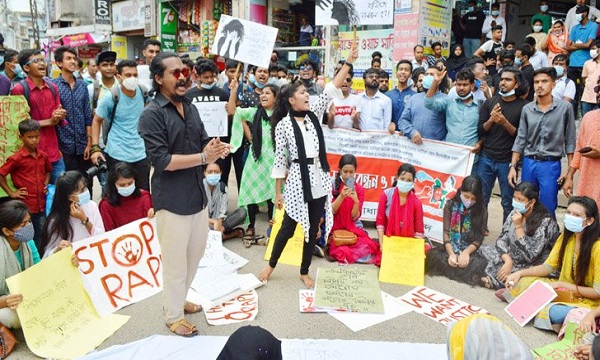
{"x": 381, "y": 40}
{"x": 437, "y": 306}
{"x": 57, "y": 317}
{"x": 306, "y": 300}
{"x": 562, "y": 349}
{"x": 122, "y": 266}
{"x": 214, "y": 117}
{"x": 244, "y": 41}
{"x": 403, "y": 261}
{"x": 213, "y": 254}
{"x": 13, "y": 110}
{"x": 292, "y": 253}
{"x": 245, "y": 282}
{"x": 351, "y": 289}
{"x": 441, "y": 168}
{"x": 526, "y": 306}
{"x": 354, "y": 12}
{"x": 243, "y": 307}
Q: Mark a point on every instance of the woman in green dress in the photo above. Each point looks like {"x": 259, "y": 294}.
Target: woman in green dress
{"x": 257, "y": 187}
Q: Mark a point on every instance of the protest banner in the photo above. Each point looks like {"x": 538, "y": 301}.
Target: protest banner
{"x": 214, "y": 117}
{"x": 244, "y": 41}
{"x": 56, "y": 314}
{"x": 205, "y": 297}
{"x": 403, "y": 261}
{"x": 441, "y": 168}
{"x": 563, "y": 349}
{"x": 368, "y": 42}
{"x": 214, "y": 252}
{"x": 122, "y": 266}
{"x": 292, "y": 253}
{"x": 406, "y": 35}
{"x": 13, "y": 110}
{"x": 354, "y": 12}
{"x": 435, "y": 25}
{"x": 243, "y": 307}
{"x": 351, "y": 289}
{"x": 530, "y": 302}
{"x": 437, "y": 306}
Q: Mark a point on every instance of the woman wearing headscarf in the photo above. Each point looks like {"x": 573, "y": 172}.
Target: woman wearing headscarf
{"x": 456, "y": 61}
{"x": 556, "y": 41}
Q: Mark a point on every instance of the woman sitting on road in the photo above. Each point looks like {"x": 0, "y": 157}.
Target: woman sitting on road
{"x": 527, "y": 237}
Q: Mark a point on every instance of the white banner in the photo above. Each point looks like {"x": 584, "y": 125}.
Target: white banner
{"x": 121, "y": 267}
{"x": 214, "y": 117}
{"x": 354, "y": 12}
{"x": 242, "y": 308}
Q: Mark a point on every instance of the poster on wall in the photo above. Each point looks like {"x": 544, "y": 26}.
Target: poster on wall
{"x": 354, "y": 12}
{"x": 435, "y": 18}
{"x": 406, "y": 35}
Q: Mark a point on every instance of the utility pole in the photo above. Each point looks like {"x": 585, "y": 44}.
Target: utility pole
{"x": 34, "y": 23}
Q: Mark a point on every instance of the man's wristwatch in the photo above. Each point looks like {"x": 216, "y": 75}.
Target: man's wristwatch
{"x": 511, "y": 165}
{"x": 86, "y": 221}
{"x": 203, "y": 156}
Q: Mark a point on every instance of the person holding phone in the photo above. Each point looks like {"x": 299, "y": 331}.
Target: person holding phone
{"x": 348, "y": 200}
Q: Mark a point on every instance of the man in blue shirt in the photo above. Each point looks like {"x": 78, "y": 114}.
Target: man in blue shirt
{"x": 11, "y": 68}
{"x": 400, "y": 94}
{"x": 74, "y": 133}
{"x": 124, "y": 143}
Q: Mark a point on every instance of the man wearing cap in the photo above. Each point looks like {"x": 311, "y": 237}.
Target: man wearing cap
{"x": 571, "y": 20}
{"x": 108, "y": 69}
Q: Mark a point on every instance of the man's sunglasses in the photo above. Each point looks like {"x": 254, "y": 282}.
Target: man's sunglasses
{"x": 183, "y": 71}
{"x": 306, "y": 67}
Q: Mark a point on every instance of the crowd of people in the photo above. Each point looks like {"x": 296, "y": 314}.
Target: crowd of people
{"x": 117, "y": 121}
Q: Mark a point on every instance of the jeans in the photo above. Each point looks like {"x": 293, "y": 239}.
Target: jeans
{"x": 58, "y": 168}
{"x": 38, "y": 220}
{"x": 587, "y": 107}
{"x": 234, "y": 219}
{"x": 558, "y": 313}
{"x": 544, "y": 175}
{"x": 471, "y": 45}
{"x": 488, "y": 170}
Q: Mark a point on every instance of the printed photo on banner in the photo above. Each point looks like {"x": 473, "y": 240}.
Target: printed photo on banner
{"x": 354, "y": 12}
{"x": 244, "y": 41}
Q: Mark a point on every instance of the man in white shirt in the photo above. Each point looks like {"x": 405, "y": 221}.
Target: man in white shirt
{"x": 570, "y": 21}
{"x": 375, "y": 109}
{"x": 564, "y": 87}
{"x": 342, "y": 112}
{"x": 493, "y": 20}
{"x": 150, "y": 50}
{"x": 539, "y": 59}
{"x": 419, "y": 61}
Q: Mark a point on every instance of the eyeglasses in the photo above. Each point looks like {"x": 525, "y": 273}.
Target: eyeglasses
{"x": 183, "y": 71}
{"x": 306, "y": 67}
{"x": 34, "y": 60}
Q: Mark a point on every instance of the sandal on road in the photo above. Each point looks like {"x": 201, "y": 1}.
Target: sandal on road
{"x": 189, "y": 329}
{"x": 191, "y": 308}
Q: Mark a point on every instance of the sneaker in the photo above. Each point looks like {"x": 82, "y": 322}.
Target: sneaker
{"x": 318, "y": 251}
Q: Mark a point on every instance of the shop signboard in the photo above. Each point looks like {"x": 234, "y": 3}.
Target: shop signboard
{"x": 128, "y": 15}
{"x": 168, "y": 27}
{"x": 102, "y": 12}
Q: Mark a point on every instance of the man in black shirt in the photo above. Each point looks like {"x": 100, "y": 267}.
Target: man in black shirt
{"x": 178, "y": 148}
{"x": 522, "y": 56}
{"x": 498, "y": 123}
{"x": 472, "y": 23}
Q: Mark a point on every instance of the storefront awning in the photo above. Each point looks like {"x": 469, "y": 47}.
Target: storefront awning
{"x": 85, "y": 39}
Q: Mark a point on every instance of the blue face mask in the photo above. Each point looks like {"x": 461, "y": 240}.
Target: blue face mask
{"x": 518, "y": 61}
{"x": 466, "y": 203}
{"x": 477, "y": 84}
{"x": 25, "y": 233}
{"x": 76, "y": 74}
{"x": 507, "y": 94}
{"x": 259, "y": 85}
{"x": 213, "y": 179}
{"x": 559, "y": 70}
{"x": 466, "y": 97}
{"x": 404, "y": 186}
{"x": 208, "y": 86}
{"x": 427, "y": 81}
{"x": 495, "y": 12}
{"x": 471, "y": 9}
{"x": 84, "y": 197}
{"x": 251, "y": 79}
{"x": 574, "y": 223}
{"x": 127, "y": 190}
{"x": 18, "y": 70}
{"x": 519, "y": 206}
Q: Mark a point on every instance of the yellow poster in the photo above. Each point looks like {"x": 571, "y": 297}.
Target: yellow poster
{"x": 292, "y": 253}
{"x": 57, "y": 315}
{"x": 403, "y": 261}
{"x": 118, "y": 44}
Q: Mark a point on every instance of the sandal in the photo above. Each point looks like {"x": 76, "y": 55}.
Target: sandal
{"x": 250, "y": 238}
{"x": 486, "y": 282}
{"x": 183, "y": 322}
{"x": 191, "y": 308}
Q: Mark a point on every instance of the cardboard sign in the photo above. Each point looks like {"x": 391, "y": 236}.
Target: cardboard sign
{"x": 526, "y": 306}
{"x": 214, "y": 117}
{"x": 242, "y": 308}
{"x": 351, "y": 289}
{"x": 403, "y": 261}
{"x": 121, "y": 267}
{"x": 244, "y": 41}
{"x": 292, "y": 253}
{"x": 562, "y": 349}
{"x": 213, "y": 254}
{"x": 57, "y": 316}
{"x": 439, "y": 307}
{"x": 354, "y": 12}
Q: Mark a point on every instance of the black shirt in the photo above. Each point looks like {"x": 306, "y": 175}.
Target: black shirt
{"x": 528, "y": 75}
{"x": 497, "y": 142}
{"x": 196, "y": 94}
{"x": 473, "y": 23}
{"x": 166, "y": 133}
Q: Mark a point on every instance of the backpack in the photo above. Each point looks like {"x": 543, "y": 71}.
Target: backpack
{"x": 115, "y": 93}
{"x": 27, "y": 92}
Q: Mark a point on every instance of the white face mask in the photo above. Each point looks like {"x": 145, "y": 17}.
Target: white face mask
{"x": 537, "y": 28}
{"x": 594, "y": 53}
{"x": 130, "y": 83}
{"x": 544, "y": 8}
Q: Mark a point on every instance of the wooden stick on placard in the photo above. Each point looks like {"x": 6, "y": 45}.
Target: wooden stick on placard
{"x": 354, "y": 28}
{"x": 237, "y": 70}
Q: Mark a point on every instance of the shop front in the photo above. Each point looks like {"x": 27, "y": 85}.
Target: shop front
{"x": 128, "y": 22}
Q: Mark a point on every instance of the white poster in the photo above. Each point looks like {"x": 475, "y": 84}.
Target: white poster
{"x": 354, "y": 12}
{"x": 213, "y": 254}
{"x": 214, "y": 117}
{"x": 244, "y": 41}
{"x": 121, "y": 267}
{"x": 243, "y": 307}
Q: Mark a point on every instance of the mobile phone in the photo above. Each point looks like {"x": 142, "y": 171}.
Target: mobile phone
{"x": 585, "y": 149}
{"x": 350, "y": 183}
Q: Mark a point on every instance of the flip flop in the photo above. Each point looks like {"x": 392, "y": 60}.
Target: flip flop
{"x": 196, "y": 308}
{"x": 173, "y": 327}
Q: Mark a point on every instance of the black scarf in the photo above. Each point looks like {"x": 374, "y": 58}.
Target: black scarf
{"x": 304, "y": 174}
{"x": 256, "y": 131}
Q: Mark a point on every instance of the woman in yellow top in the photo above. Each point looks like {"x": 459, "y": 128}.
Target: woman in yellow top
{"x": 576, "y": 255}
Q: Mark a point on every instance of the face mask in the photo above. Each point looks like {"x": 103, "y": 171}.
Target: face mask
{"x": 130, "y": 83}
{"x": 519, "y": 206}
{"x": 466, "y": 97}
{"x": 507, "y": 94}
{"x": 273, "y": 81}
{"x": 259, "y": 85}
{"x": 251, "y": 79}
{"x": 579, "y": 17}
{"x": 559, "y": 70}
{"x": 495, "y": 12}
{"x": 213, "y": 179}
{"x": 18, "y": 70}
{"x": 404, "y": 186}
{"x": 84, "y": 197}
{"x": 76, "y": 74}
{"x": 25, "y": 233}
{"x": 127, "y": 190}
{"x": 477, "y": 84}
{"x": 427, "y": 81}
{"x": 537, "y": 28}
{"x": 208, "y": 86}
{"x": 594, "y": 53}
{"x": 518, "y": 61}
{"x": 466, "y": 203}
{"x": 544, "y": 8}
{"x": 574, "y": 223}
{"x": 471, "y": 8}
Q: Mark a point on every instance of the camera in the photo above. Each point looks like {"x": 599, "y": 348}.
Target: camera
{"x": 97, "y": 169}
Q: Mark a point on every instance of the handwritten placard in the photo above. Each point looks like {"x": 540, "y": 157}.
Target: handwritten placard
{"x": 56, "y": 314}
{"x": 122, "y": 266}
{"x": 437, "y": 306}
{"x": 214, "y": 117}
{"x": 354, "y": 12}
{"x": 292, "y": 253}
{"x": 213, "y": 254}
{"x": 530, "y": 302}
{"x": 242, "y": 308}
{"x": 244, "y": 41}
{"x": 13, "y": 110}
{"x": 562, "y": 349}
{"x": 306, "y": 300}
{"x": 403, "y": 261}
{"x": 351, "y": 289}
